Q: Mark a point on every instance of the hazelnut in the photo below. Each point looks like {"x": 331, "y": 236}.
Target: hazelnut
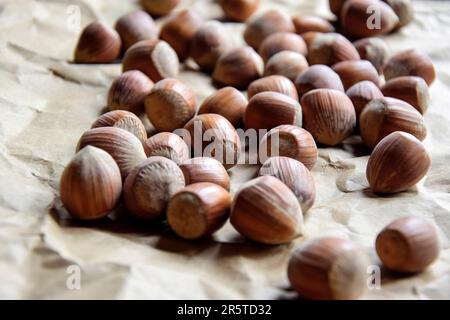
{"x": 167, "y": 145}
{"x": 262, "y": 25}
{"x": 91, "y": 185}
{"x": 331, "y": 48}
{"x": 403, "y": 9}
{"x": 204, "y": 169}
{"x": 229, "y": 102}
{"x": 265, "y": 210}
{"x": 357, "y": 18}
{"x": 329, "y": 268}
{"x": 354, "y": 71}
{"x": 374, "y": 50}
{"x": 122, "y": 145}
{"x": 413, "y": 90}
{"x": 286, "y": 63}
{"x": 208, "y": 44}
{"x": 149, "y": 187}
{"x": 214, "y": 136}
{"x": 238, "y": 67}
{"x": 128, "y": 91}
{"x": 309, "y": 37}
{"x": 275, "y": 83}
{"x": 336, "y": 6}
{"x": 134, "y": 27}
{"x": 239, "y": 10}
{"x": 159, "y": 7}
{"x": 266, "y": 110}
{"x": 179, "y": 30}
{"x": 328, "y": 115}
{"x": 295, "y": 176}
{"x": 318, "y": 77}
{"x": 170, "y": 105}
{"x": 383, "y": 116}
{"x": 408, "y": 244}
{"x": 412, "y": 62}
{"x": 155, "y": 58}
{"x": 290, "y": 141}
{"x": 398, "y": 162}
{"x": 98, "y": 43}
{"x": 282, "y": 41}
{"x": 123, "y": 120}
{"x": 361, "y": 94}
{"x": 198, "y": 210}
{"x": 311, "y": 23}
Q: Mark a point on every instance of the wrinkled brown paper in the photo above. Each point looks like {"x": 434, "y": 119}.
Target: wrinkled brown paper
{"x": 46, "y": 103}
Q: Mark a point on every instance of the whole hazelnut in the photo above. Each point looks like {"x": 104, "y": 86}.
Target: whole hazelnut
{"x": 228, "y": 102}
{"x": 328, "y": 115}
{"x": 124, "y": 120}
{"x": 290, "y": 141}
{"x": 208, "y": 44}
{"x": 211, "y": 135}
{"x": 361, "y": 94}
{"x": 383, "y": 116}
{"x": 149, "y": 187}
{"x": 262, "y": 25}
{"x": 170, "y": 105}
{"x": 265, "y": 210}
{"x": 318, "y": 77}
{"x": 128, "y": 91}
{"x": 179, "y": 30}
{"x": 354, "y": 71}
{"x": 275, "y": 83}
{"x": 159, "y": 7}
{"x": 168, "y": 145}
{"x": 198, "y": 210}
{"x": 403, "y": 9}
{"x": 91, "y": 184}
{"x": 238, "y": 67}
{"x": 155, "y": 58}
{"x": 357, "y": 18}
{"x": 304, "y": 24}
{"x": 282, "y": 41}
{"x": 412, "y": 62}
{"x": 295, "y": 176}
{"x": 413, "y": 90}
{"x": 98, "y": 43}
{"x": 336, "y": 6}
{"x": 239, "y": 10}
{"x": 122, "y": 145}
{"x": 329, "y": 268}
{"x": 134, "y": 27}
{"x": 267, "y": 110}
{"x": 331, "y": 48}
{"x": 286, "y": 63}
{"x": 374, "y": 50}
{"x": 409, "y": 244}
{"x": 309, "y": 37}
{"x": 204, "y": 169}
{"x": 398, "y": 162}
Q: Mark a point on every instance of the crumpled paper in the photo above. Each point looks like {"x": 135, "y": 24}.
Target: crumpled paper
{"x": 46, "y": 103}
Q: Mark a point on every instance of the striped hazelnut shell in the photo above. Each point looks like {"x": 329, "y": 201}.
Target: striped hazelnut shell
{"x": 274, "y": 83}
{"x": 362, "y": 93}
{"x": 304, "y": 24}
{"x": 318, "y": 77}
{"x": 374, "y": 50}
{"x": 331, "y": 48}
{"x": 352, "y": 72}
{"x": 204, "y": 169}
{"x": 134, "y": 27}
{"x": 282, "y": 41}
{"x": 413, "y": 90}
{"x": 168, "y": 145}
{"x": 286, "y": 63}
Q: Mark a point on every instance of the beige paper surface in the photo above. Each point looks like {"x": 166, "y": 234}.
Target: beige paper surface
{"x": 45, "y": 105}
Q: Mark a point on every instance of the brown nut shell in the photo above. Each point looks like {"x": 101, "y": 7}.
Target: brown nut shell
{"x": 311, "y": 23}
{"x": 336, "y": 6}
{"x": 167, "y": 145}
{"x": 318, "y": 77}
{"x": 282, "y": 41}
{"x": 159, "y": 7}
{"x": 362, "y": 93}
{"x": 239, "y": 10}
{"x": 413, "y": 90}
{"x": 134, "y": 27}
{"x": 204, "y": 169}
{"x": 274, "y": 83}
{"x": 286, "y": 63}
{"x": 403, "y": 9}
{"x": 331, "y": 48}
{"x": 374, "y": 50}
{"x": 352, "y": 72}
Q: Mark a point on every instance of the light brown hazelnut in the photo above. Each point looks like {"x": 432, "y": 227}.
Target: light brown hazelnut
{"x": 331, "y": 48}
{"x": 286, "y": 63}
{"x": 134, "y": 27}
{"x": 361, "y": 94}
{"x": 168, "y": 145}
{"x": 282, "y": 41}
{"x": 374, "y": 50}
{"x": 275, "y": 83}
{"x": 413, "y": 90}
{"x": 354, "y": 71}
{"x": 159, "y": 7}
{"x": 304, "y": 24}
{"x": 318, "y": 77}
{"x": 239, "y": 10}
{"x": 204, "y": 169}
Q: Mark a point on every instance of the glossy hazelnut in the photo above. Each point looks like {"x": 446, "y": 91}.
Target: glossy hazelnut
{"x": 413, "y": 90}
{"x": 275, "y": 83}
{"x": 167, "y": 145}
{"x": 318, "y": 77}
{"x": 305, "y": 23}
{"x": 383, "y": 116}
{"x": 409, "y": 244}
{"x": 362, "y": 93}
{"x": 149, "y": 187}
{"x": 98, "y": 43}
{"x": 282, "y": 41}
{"x": 134, "y": 27}
{"x": 398, "y": 162}
{"x": 354, "y": 71}
{"x": 265, "y": 210}
{"x": 328, "y": 115}
{"x": 204, "y": 169}
{"x": 170, "y": 105}
{"x": 374, "y": 50}
{"x": 228, "y": 102}
{"x": 159, "y": 7}
{"x": 403, "y": 9}
{"x": 286, "y": 63}
{"x": 329, "y": 269}
{"x": 198, "y": 210}
{"x": 267, "y": 110}
{"x": 155, "y": 58}
{"x": 91, "y": 184}
{"x": 295, "y": 176}
{"x": 331, "y": 48}
{"x": 239, "y": 10}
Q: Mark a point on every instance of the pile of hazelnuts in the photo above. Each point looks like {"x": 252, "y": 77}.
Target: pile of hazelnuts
{"x": 306, "y": 83}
